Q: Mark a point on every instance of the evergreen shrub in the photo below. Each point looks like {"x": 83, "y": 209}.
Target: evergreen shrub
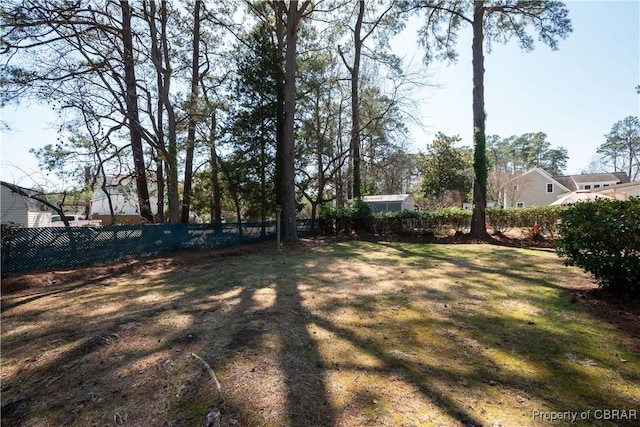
{"x": 542, "y": 220}
{"x": 356, "y": 216}
{"x": 603, "y": 238}
{"x": 422, "y": 222}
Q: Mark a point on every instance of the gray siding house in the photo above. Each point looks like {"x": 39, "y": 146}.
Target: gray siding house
{"x": 533, "y": 188}
{"x": 537, "y": 188}
{"x": 18, "y": 208}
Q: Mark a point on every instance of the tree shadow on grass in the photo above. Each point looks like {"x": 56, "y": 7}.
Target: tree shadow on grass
{"x": 307, "y": 401}
{"x": 105, "y": 368}
{"x": 562, "y": 353}
{"x": 251, "y": 319}
{"x": 280, "y": 328}
{"x": 95, "y": 373}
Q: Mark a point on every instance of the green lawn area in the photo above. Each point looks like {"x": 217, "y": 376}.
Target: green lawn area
{"x": 341, "y": 334}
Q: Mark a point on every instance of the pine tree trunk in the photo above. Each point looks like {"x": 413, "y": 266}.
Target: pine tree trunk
{"x": 288, "y": 170}
{"x": 191, "y": 131}
{"x": 216, "y": 208}
{"x": 133, "y": 115}
{"x": 279, "y": 74}
{"x": 355, "y": 105}
{"x": 160, "y": 189}
{"x": 478, "y": 218}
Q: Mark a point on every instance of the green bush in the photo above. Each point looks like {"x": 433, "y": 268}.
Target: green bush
{"x": 422, "y": 222}
{"x": 359, "y": 214}
{"x": 405, "y": 222}
{"x": 541, "y": 220}
{"x": 456, "y": 218}
{"x": 356, "y": 217}
{"x": 603, "y": 238}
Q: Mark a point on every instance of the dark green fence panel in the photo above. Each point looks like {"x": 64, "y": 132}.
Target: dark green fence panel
{"x": 29, "y": 249}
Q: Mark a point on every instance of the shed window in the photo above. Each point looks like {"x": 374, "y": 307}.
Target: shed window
{"x": 377, "y": 207}
{"x": 549, "y": 187}
{"x": 520, "y": 205}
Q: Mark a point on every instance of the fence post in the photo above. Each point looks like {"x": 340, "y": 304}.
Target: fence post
{"x": 278, "y": 225}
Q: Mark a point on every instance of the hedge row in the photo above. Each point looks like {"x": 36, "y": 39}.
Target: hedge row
{"x": 421, "y": 222}
{"x": 539, "y": 219}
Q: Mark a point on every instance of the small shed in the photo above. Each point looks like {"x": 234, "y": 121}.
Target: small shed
{"x": 18, "y": 208}
{"x": 390, "y": 203}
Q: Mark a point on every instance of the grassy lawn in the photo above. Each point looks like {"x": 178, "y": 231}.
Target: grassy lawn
{"x": 341, "y": 334}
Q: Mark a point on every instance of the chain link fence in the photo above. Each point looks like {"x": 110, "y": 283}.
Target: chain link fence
{"x": 28, "y": 249}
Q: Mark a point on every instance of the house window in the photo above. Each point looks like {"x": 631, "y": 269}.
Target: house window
{"x": 515, "y": 187}
{"x": 549, "y": 187}
{"x": 520, "y": 205}
{"x": 587, "y": 187}
{"x": 596, "y": 186}
{"x": 605, "y": 185}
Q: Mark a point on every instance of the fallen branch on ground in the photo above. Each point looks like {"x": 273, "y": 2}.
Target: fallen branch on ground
{"x": 212, "y": 374}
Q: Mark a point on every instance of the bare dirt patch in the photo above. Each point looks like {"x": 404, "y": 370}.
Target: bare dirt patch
{"x": 322, "y": 333}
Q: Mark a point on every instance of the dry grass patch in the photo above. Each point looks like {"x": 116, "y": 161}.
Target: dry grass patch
{"x": 345, "y": 334}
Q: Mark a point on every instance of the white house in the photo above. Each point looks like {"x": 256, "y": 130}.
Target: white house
{"x": 390, "y": 203}
{"x": 620, "y": 191}
{"x": 18, "y": 208}
{"x": 124, "y": 201}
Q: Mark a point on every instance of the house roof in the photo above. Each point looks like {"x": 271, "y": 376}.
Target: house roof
{"x": 579, "y": 196}
{"x": 386, "y": 198}
{"x": 567, "y": 182}
{"x": 622, "y": 176}
{"x": 546, "y": 175}
{"x": 32, "y": 204}
{"x": 598, "y": 177}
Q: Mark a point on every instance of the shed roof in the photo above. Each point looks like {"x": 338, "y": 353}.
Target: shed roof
{"x": 387, "y": 198}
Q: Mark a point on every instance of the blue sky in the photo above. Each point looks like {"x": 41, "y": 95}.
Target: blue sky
{"x": 574, "y": 94}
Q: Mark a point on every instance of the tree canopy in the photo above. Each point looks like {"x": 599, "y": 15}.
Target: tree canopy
{"x": 232, "y": 109}
{"x": 519, "y": 153}
{"x": 445, "y": 167}
{"x": 621, "y": 150}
